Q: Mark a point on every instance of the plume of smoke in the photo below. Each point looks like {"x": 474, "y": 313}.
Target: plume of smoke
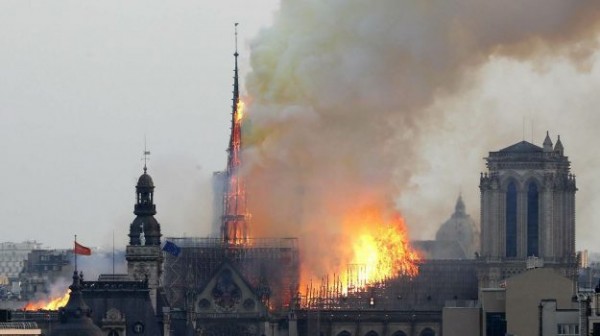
{"x": 342, "y": 92}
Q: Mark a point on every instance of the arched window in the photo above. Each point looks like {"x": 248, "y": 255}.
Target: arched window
{"x": 533, "y": 216}
{"x": 399, "y": 333}
{"x": 427, "y": 332}
{"x": 344, "y": 333}
{"x": 371, "y": 333}
{"x": 511, "y": 220}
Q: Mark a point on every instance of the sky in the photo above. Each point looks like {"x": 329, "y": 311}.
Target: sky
{"x": 83, "y": 86}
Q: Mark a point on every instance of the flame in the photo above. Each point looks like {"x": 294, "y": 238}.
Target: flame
{"x": 379, "y": 250}
{"x": 241, "y": 107}
{"x": 382, "y": 249}
{"x": 52, "y": 304}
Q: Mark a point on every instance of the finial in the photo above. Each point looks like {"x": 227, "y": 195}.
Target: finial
{"x": 236, "y": 54}
{"x": 146, "y": 154}
{"x": 236, "y": 89}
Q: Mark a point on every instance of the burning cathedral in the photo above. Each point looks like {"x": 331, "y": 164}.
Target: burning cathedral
{"x": 235, "y": 284}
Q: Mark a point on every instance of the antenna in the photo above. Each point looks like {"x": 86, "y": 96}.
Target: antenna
{"x": 523, "y": 128}
{"x": 532, "y": 130}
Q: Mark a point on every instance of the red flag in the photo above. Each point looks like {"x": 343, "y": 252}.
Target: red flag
{"x": 81, "y": 250}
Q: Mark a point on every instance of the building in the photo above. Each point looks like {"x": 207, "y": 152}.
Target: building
{"x": 457, "y": 238}
{"x": 13, "y": 257}
{"x": 74, "y": 317}
{"x": 527, "y": 210}
{"x": 42, "y": 269}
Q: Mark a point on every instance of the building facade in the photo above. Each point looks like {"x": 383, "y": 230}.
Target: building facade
{"x": 527, "y": 211}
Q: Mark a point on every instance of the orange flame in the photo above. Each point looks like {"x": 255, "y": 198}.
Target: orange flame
{"x": 241, "y": 106}
{"x": 52, "y": 304}
{"x": 378, "y": 250}
{"x": 382, "y": 248}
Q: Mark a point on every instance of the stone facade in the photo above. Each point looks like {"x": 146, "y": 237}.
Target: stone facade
{"x": 527, "y": 210}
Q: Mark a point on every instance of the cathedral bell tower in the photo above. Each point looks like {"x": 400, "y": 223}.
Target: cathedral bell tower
{"x": 527, "y": 212}
{"x": 144, "y": 255}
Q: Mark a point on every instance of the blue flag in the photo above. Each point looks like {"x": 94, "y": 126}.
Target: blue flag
{"x": 172, "y": 248}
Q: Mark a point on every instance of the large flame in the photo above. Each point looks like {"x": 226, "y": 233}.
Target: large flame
{"x": 50, "y": 304}
{"x": 381, "y": 248}
{"x": 378, "y": 250}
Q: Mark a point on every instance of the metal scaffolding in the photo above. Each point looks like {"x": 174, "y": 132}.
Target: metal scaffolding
{"x": 437, "y": 282}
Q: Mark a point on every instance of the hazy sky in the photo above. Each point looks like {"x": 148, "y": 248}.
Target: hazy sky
{"x": 82, "y": 84}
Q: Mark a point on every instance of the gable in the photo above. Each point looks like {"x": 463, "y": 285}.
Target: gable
{"x": 227, "y": 294}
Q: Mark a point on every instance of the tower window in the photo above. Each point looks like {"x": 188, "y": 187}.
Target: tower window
{"x": 511, "y": 220}
{"x": 533, "y": 211}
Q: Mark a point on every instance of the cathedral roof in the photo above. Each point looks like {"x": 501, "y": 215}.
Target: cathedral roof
{"x": 522, "y": 147}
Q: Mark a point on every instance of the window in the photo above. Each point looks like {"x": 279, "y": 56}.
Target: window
{"x": 511, "y": 220}
{"x": 568, "y": 330}
{"x": 399, "y": 333}
{"x": 427, "y": 332}
{"x": 495, "y": 324}
{"x": 533, "y": 211}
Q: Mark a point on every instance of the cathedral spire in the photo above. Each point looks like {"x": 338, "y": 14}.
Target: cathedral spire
{"x": 559, "y": 147}
{"x": 547, "y": 143}
{"x": 234, "y": 224}
{"x": 459, "y": 208}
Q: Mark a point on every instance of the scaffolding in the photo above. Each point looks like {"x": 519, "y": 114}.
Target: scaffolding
{"x": 437, "y": 282}
{"x": 268, "y": 264}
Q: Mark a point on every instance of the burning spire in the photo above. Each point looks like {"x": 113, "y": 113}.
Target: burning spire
{"x": 234, "y": 226}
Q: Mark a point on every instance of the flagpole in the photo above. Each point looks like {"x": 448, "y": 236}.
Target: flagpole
{"x": 113, "y": 254}
{"x": 74, "y": 253}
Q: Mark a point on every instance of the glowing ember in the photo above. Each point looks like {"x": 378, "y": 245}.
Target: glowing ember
{"x": 52, "y": 304}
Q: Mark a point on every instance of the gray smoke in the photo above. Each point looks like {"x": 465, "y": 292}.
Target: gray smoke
{"x": 355, "y": 103}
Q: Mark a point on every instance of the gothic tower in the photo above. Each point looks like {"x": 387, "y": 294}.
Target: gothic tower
{"x": 527, "y": 211}
{"x": 143, "y": 254}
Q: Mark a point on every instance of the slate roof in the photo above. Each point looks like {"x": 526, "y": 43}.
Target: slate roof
{"x": 522, "y": 147}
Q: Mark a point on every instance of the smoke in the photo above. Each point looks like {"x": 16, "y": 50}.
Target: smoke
{"x": 348, "y": 99}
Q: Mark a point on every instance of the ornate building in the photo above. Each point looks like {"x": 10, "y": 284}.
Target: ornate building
{"x": 143, "y": 254}
{"x": 527, "y": 211}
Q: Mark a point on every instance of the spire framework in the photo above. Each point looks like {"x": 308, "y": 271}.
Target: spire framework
{"x": 234, "y": 225}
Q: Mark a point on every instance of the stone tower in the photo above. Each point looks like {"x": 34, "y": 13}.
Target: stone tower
{"x": 143, "y": 254}
{"x": 527, "y": 211}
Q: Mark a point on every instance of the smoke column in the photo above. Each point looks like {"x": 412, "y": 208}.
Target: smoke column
{"x": 345, "y": 101}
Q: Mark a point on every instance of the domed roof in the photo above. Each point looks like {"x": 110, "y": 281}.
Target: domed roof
{"x": 151, "y": 231}
{"x": 461, "y": 228}
{"x": 145, "y": 181}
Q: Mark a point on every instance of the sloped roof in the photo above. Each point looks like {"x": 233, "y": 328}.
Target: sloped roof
{"x": 522, "y": 147}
